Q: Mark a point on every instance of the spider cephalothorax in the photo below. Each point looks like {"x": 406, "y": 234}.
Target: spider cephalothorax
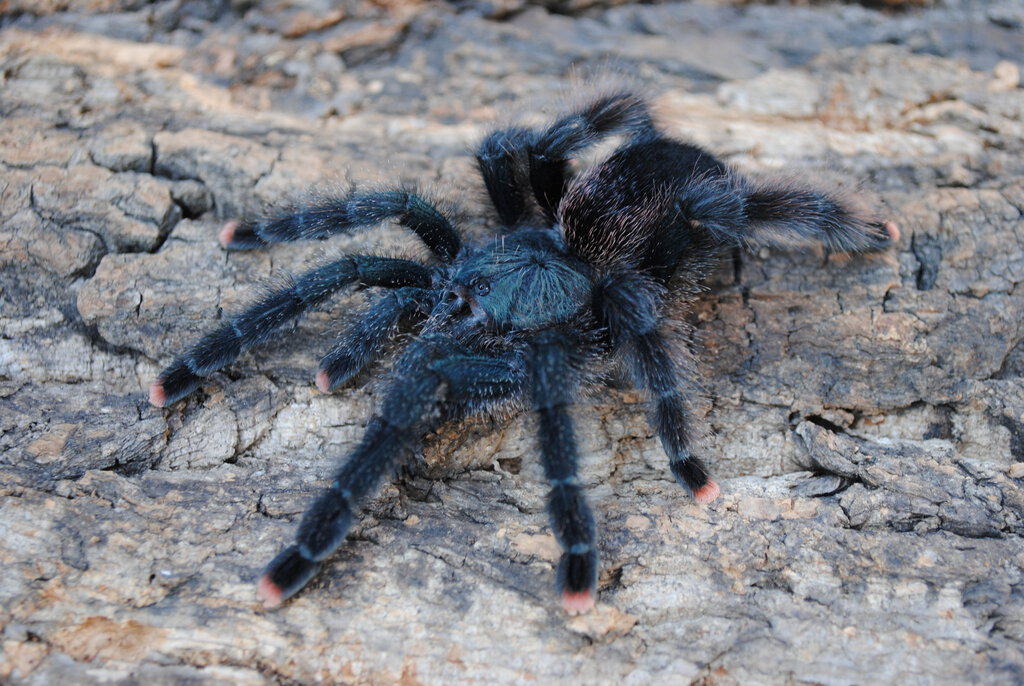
{"x": 525, "y": 281}
{"x": 528, "y": 318}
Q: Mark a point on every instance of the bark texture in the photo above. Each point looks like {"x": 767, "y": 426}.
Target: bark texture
{"x": 866, "y": 414}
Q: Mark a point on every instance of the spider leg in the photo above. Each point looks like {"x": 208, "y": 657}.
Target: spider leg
{"x": 782, "y": 212}
{"x": 409, "y": 409}
{"x": 551, "y": 365}
{"x": 501, "y": 157}
{"x": 508, "y": 158}
{"x": 363, "y": 339}
{"x": 258, "y": 323}
{"x": 628, "y": 304}
{"x": 736, "y": 210}
{"x": 340, "y": 215}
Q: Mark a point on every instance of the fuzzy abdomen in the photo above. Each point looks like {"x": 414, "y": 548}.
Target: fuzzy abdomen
{"x": 627, "y": 209}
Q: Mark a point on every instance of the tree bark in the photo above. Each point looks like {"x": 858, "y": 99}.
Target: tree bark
{"x": 865, "y": 414}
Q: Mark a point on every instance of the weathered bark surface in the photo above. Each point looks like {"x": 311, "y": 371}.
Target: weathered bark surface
{"x": 866, "y": 414}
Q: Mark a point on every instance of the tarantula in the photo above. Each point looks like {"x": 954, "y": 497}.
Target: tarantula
{"x": 530, "y": 317}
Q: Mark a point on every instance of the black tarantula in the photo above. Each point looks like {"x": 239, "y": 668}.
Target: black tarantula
{"x": 529, "y": 318}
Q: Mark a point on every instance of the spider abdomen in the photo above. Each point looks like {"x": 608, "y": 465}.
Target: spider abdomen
{"x": 627, "y": 209}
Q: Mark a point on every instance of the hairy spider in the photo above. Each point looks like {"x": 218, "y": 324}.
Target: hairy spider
{"x": 529, "y": 318}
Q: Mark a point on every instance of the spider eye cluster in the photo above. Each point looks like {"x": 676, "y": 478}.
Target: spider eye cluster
{"x": 480, "y": 285}
{"x": 522, "y": 282}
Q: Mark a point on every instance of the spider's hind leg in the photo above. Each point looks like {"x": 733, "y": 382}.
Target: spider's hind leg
{"x": 502, "y": 157}
{"x": 784, "y": 212}
{"x": 517, "y": 161}
{"x": 739, "y": 210}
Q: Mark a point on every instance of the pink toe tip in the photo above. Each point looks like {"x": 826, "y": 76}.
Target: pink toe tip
{"x": 577, "y": 603}
{"x": 227, "y": 233}
{"x": 157, "y": 395}
{"x": 268, "y": 593}
{"x": 707, "y": 493}
{"x": 892, "y": 230}
{"x": 323, "y": 381}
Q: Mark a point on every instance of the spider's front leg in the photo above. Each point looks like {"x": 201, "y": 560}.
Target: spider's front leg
{"x": 332, "y": 216}
{"x": 258, "y": 323}
{"x": 629, "y": 303}
{"x": 551, "y": 368}
{"x": 364, "y": 339}
{"x": 435, "y": 365}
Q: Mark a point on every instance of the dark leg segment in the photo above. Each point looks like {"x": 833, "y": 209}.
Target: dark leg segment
{"x": 341, "y": 215}
{"x": 551, "y": 370}
{"x": 256, "y": 325}
{"x": 779, "y": 212}
{"x": 671, "y": 416}
{"x": 407, "y": 412}
{"x": 502, "y": 157}
{"x": 363, "y": 340}
{"x": 629, "y": 306}
{"x": 508, "y": 157}
{"x": 736, "y": 210}
{"x": 576, "y": 131}
{"x": 476, "y": 384}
